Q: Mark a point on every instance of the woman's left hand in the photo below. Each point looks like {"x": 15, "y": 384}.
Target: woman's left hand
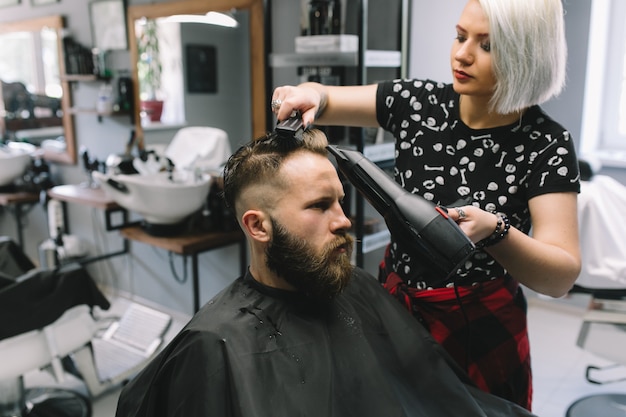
{"x": 548, "y": 261}
{"x": 475, "y": 222}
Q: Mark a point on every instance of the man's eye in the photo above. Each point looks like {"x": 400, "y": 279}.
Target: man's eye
{"x": 320, "y": 206}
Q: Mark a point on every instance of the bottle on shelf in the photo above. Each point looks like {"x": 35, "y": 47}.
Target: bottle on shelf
{"x": 104, "y": 103}
{"x": 324, "y": 17}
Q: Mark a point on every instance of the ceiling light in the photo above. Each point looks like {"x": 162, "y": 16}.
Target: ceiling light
{"x": 211, "y": 18}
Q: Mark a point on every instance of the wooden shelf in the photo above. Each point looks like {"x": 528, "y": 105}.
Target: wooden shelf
{"x": 192, "y": 244}
{"x": 14, "y": 202}
{"x": 79, "y": 110}
{"x": 373, "y": 58}
{"x": 20, "y": 197}
{"x": 187, "y": 244}
{"x": 84, "y": 78}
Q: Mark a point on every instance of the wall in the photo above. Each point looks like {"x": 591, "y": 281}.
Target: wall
{"x": 225, "y": 107}
{"x": 431, "y": 40}
{"x": 147, "y": 271}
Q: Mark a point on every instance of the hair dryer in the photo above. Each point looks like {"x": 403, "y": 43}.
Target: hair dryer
{"x": 437, "y": 240}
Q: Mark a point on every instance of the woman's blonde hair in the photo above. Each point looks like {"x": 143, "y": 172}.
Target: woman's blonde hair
{"x": 528, "y": 49}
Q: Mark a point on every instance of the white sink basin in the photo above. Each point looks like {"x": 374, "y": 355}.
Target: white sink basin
{"x": 156, "y": 197}
{"x": 13, "y": 163}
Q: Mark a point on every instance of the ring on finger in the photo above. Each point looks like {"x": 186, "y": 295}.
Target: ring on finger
{"x": 276, "y": 104}
{"x": 461, "y": 212}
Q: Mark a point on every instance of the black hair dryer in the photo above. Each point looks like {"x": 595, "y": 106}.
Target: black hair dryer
{"x": 437, "y": 239}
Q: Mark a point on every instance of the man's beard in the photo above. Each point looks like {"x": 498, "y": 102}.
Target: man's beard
{"x": 321, "y": 276}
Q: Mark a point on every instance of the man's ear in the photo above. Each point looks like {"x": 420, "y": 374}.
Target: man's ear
{"x": 256, "y": 224}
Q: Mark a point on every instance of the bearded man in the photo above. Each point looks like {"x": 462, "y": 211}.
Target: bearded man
{"x": 304, "y": 332}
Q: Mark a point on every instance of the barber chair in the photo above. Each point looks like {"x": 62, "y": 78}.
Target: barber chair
{"x": 13, "y": 262}
{"x": 41, "y": 348}
{"x": 46, "y": 316}
{"x": 601, "y": 206}
{"x": 47, "y": 323}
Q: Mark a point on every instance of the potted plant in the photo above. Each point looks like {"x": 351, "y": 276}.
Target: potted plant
{"x": 149, "y": 71}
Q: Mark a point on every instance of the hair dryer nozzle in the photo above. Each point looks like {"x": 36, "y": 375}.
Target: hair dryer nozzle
{"x": 435, "y": 238}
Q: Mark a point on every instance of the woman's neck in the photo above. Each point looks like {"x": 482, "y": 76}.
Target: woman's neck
{"x": 475, "y": 113}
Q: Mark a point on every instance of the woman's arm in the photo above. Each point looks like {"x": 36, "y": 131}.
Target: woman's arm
{"x": 548, "y": 262}
{"x": 329, "y": 105}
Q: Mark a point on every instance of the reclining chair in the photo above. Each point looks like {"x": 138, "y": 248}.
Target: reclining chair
{"x": 48, "y": 323}
{"x": 601, "y": 205}
{"x": 46, "y": 315}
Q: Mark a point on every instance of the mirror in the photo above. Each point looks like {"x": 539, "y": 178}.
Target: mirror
{"x": 254, "y": 10}
{"x": 36, "y": 97}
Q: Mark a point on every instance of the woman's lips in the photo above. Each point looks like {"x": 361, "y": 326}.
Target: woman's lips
{"x": 461, "y": 76}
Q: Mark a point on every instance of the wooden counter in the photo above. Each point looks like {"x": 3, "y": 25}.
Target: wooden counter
{"x": 187, "y": 244}
{"x": 20, "y": 197}
{"x": 94, "y": 197}
{"x": 192, "y": 244}
{"x": 14, "y": 202}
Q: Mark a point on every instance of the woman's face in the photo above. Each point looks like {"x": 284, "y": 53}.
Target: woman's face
{"x": 470, "y": 56}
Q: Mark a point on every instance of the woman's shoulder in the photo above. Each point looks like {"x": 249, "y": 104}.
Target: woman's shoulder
{"x": 540, "y": 121}
{"x": 403, "y": 97}
{"x": 403, "y": 86}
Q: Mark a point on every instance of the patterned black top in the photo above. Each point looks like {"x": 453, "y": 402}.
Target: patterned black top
{"x": 443, "y": 160}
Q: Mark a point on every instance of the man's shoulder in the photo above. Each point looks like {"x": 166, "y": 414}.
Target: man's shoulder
{"x": 220, "y": 309}
{"x": 359, "y": 274}
{"x": 365, "y": 284}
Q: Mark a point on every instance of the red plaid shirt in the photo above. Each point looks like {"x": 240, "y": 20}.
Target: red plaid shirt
{"x": 483, "y": 329}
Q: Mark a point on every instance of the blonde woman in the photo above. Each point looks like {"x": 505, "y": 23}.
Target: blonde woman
{"x": 483, "y": 147}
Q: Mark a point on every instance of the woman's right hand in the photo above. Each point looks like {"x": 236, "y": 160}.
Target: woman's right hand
{"x": 353, "y": 105}
{"x": 308, "y": 99}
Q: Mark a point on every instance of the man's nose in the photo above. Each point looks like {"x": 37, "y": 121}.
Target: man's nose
{"x": 342, "y": 222}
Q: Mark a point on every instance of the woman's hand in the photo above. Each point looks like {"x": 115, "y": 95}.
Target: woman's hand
{"x": 308, "y": 99}
{"x": 353, "y": 105}
{"x": 476, "y": 223}
{"x": 548, "y": 261}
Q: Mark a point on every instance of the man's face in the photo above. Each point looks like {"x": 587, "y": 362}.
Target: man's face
{"x": 310, "y": 247}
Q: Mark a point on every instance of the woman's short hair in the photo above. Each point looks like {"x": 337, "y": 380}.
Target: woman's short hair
{"x": 528, "y": 49}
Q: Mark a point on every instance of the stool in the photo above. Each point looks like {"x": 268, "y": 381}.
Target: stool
{"x": 15, "y": 401}
{"x": 604, "y": 405}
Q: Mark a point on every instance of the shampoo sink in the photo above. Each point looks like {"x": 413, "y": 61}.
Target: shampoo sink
{"x": 163, "y": 199}
{"x": 13, "y": 163}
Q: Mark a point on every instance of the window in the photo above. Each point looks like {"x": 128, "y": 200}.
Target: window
{"x": 615, "y": 81}
{"x": 20, "y": 62}
{"x": 160, "y": 68}
{"x": 604, "y": 123}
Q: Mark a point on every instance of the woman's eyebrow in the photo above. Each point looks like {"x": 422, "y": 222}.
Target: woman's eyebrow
{"x": 462, "y": 29}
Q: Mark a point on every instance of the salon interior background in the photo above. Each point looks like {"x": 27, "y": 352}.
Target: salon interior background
{"x": 146, "y": 270}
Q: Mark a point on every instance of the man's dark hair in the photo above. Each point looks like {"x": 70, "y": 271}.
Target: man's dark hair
{"x": 259, "y": 160}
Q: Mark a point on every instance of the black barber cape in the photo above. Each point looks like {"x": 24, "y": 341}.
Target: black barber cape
{"x": 258, "y": 351}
